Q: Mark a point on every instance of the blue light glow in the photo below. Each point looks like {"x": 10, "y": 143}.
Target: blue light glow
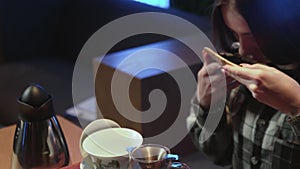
{"x": 158, "y": 3}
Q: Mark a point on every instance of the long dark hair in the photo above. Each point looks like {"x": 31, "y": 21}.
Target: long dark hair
{"x": 223, "y": 37}
{"x": 275, "y": 25}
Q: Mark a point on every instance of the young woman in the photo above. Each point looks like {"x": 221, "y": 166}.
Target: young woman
{"x": 260, "y": 127}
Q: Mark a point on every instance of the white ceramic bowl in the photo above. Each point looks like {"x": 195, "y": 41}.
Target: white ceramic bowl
{"x": 112, "y": 141}
{"x": 109, "y": 146}
{"x": 95, "y": 126}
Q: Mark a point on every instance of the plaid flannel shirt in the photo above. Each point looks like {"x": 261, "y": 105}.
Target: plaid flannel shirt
{"x": 258, "y": 137}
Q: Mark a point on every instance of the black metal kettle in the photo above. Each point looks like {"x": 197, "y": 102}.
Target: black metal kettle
{"x": 39, "y": 141}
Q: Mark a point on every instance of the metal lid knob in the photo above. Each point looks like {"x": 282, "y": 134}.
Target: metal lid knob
{"x": 35, "y": 103}
{"x": 34, "y": 95}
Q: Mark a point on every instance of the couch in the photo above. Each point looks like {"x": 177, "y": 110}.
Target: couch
{"x": 40, "y": 41}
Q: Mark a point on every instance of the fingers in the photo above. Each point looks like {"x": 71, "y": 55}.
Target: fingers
{"x": 210, "y": 69}
{"x": 206, "y": 58}
{"x": 231, "y": 83}
{"x": 254, "y": 66}
{"x": 246, "y": 75}
{"x": 240, "y": 72}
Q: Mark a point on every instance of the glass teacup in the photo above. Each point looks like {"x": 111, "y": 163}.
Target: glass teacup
{"x": 150, "y": 156}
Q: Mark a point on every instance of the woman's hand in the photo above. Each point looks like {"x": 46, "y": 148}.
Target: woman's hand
{"x": 211, "y": 80}
{"x": 269, "y": 86}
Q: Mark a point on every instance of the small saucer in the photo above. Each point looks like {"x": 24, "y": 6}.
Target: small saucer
{"x": 82, "y": 166}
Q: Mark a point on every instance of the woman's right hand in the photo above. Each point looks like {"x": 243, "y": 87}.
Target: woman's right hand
{"x": 210, "y": 81}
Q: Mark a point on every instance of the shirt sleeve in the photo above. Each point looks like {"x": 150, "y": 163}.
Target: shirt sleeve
{"x": 197, "y": 114}
{"x": 219, "y": 146}
{"x": 295, "y": 125}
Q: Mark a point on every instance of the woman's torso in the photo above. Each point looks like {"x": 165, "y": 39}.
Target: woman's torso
{"x": 263, "y": 137}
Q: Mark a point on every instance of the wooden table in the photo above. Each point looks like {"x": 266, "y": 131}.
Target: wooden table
{"x": 71, "y": 131}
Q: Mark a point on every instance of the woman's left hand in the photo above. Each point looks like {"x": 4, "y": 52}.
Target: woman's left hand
{"x": 269, "y": 86}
